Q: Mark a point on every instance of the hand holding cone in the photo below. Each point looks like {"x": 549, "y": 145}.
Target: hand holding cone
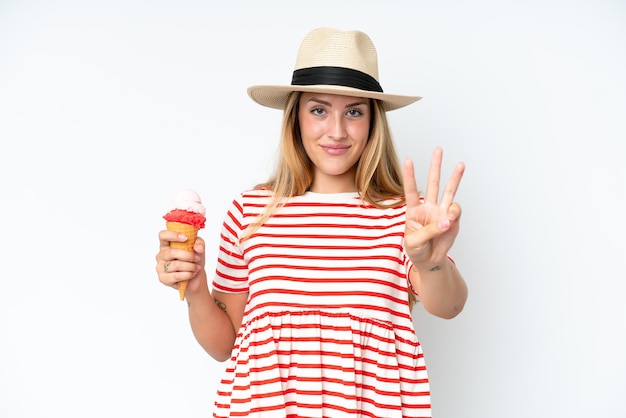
{"x": 186, "y": 217}
{"x": 191, "y": 232}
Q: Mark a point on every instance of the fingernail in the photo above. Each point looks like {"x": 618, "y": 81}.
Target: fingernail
{"x": 444, "y": 224}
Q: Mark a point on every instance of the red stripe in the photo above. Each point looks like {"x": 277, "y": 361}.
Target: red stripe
{"x": 329, "y": 269}
{"x": 358, "y": 280}
{"x": 286, "y": 306}
{"x": 323, "y": 247}
{"x": 364, "y": 227}
{"x": 330, "y": 237}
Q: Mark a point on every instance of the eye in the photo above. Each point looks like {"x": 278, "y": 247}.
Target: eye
{"x": 318, "y": 111}
{"x": 354, "y": 112}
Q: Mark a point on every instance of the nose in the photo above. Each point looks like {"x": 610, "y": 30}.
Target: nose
{"x": 336, "y": 128}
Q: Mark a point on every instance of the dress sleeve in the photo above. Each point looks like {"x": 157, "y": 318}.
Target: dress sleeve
{"x": 231, "y": 273}
{"x": 408, "y": 265}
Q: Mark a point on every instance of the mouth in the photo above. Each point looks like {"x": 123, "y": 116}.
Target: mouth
{"x": 335, "y": 149}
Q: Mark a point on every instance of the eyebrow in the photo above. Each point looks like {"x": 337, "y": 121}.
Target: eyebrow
{"x": 324, "y": 102}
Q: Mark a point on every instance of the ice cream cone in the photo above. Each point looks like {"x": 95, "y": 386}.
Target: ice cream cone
{"x": 182, "y": 288}
{"x": 191, "y": 232}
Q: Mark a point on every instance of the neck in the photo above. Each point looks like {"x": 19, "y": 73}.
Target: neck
{"x": 333, "y": 184}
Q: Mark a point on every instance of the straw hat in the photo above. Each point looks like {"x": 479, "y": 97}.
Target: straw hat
{"x": 335, "y": 62}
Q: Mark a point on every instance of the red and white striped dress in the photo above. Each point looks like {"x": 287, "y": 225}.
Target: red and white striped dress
{"x": 327, "y": 330}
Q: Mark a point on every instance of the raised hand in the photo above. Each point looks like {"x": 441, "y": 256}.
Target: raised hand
{"x": 431, "y": 224}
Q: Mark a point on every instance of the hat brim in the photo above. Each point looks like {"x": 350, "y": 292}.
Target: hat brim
{"x": 275, "y": 96}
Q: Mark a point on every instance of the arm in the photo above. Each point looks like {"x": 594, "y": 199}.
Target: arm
{"x": 442, "y": 289}
{"x": 215, "y": 319}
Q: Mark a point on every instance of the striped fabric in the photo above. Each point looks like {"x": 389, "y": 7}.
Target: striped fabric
{"x": 327, "y": 330}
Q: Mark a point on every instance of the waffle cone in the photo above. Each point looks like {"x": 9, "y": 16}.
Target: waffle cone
{"x": 191, "y": 234}
{"x": 184, "y": 229}
{"x": 182, "y": 287}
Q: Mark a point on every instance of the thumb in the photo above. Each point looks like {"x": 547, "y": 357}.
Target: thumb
{"x": 412, "y": 225}
{"x": 430, "y": 231}
{"x": 198, "y": 246}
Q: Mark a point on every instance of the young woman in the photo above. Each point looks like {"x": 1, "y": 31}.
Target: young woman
{"x": 319, "y": 266}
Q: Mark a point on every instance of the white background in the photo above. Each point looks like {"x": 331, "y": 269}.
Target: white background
{"x": 108, "y": 108}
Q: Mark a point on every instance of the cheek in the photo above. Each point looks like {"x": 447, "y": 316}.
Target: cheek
{"x": 361, "y": 134}
{"x": 309, "y": 128}
{"x": 308, "y": 142}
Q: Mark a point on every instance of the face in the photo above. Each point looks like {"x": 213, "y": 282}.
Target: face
{"x": 334, "y": 132}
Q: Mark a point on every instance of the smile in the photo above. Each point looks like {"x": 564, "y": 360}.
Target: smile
{"x": 335, "y": 150}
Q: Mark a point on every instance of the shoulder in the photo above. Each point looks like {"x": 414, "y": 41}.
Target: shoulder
{"x": 250, "y": 201}
{"x": 252, "y": 195}
{"x": 391, "y": 203}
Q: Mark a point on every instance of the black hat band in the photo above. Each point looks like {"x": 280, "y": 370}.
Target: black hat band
{"x": 335, "y": 76}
